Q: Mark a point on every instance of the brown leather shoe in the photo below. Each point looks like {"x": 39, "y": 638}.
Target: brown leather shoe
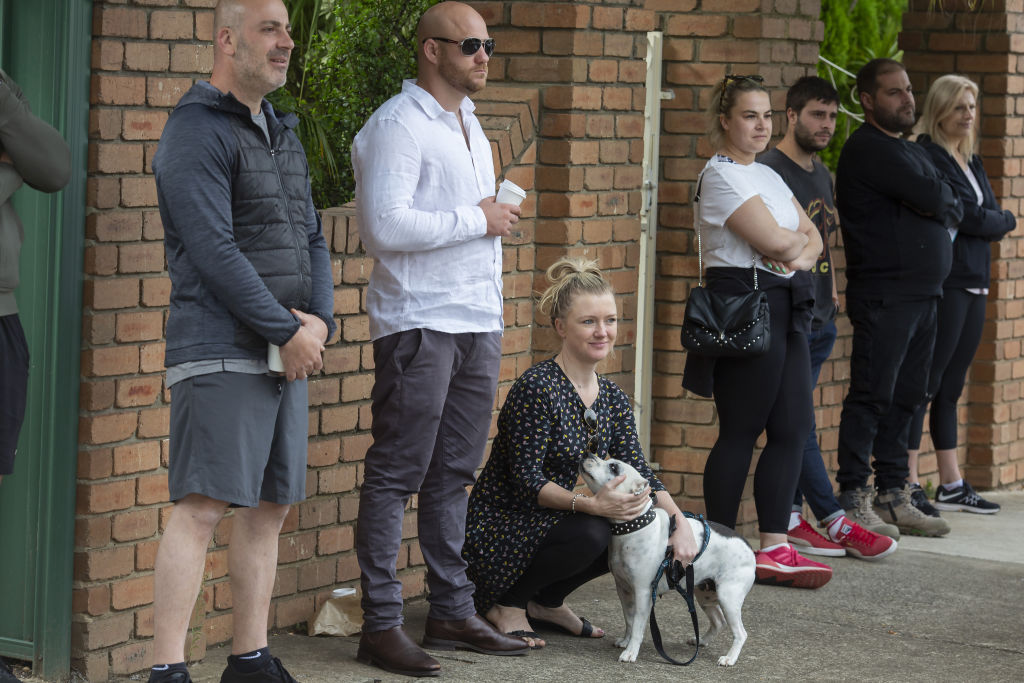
{"x": 394, "y": 651}
{"x": 475, "y": 633}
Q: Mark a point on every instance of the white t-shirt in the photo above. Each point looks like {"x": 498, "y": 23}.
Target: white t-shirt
{"x": 725, "y": 187}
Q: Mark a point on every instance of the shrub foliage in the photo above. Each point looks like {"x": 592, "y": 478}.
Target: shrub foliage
{"x": 350, "y": 56}
{"x": 856, "y": 31}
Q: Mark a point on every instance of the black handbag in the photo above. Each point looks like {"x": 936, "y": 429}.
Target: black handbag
{"x": 723, "y": 325}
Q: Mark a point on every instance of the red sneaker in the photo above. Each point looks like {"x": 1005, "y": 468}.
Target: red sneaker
{"x": 811, "y": 542}
{"x": 862, "y": 543}
{"x": 784, "y": 566}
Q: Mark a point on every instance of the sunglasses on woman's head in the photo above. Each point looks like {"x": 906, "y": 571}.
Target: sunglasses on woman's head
{"x": 469, "y": 46}
{"x": 593, "y": 443}
{"x": 735, "y": 78}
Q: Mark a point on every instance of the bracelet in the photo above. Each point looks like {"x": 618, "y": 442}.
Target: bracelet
{"x": 573, "y": 506}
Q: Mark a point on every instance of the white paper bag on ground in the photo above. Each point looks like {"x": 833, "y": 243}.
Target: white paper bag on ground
{"x": 340, "y": 615}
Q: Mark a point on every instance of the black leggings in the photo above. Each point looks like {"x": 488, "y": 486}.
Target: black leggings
{"x": 960, "y": 323}
{"x": 573, "y": 552}
{"x": 770, "y": 393}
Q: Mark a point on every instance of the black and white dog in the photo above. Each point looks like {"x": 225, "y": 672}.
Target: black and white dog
{"x": 723, "y": 574}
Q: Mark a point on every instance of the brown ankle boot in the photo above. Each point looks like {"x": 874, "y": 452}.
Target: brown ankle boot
{"x": 394, "y": 651}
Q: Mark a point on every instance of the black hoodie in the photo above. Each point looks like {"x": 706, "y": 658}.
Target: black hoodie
{"x": 894, "y": 208}
{"x": 982, "y": 223}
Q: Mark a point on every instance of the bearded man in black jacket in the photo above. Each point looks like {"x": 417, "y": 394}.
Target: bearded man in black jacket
{"x": 894, "y": 208}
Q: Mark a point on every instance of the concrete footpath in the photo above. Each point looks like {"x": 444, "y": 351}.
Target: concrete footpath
{"x": 949, "y": 609}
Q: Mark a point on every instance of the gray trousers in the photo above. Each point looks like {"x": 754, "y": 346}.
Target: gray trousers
{"x": 432, "y": 399}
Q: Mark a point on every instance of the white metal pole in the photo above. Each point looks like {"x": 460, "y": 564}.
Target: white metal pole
{"x": 643, "y": 370}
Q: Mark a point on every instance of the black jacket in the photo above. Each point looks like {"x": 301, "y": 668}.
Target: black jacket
{"x": 981, "y": 225}
{"x": 894, "y": 208}
{"x": 243, "y": 241}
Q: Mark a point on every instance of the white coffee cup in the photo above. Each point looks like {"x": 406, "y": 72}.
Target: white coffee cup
{"x": 274, "y": 363}
{"x": 510, "y": 193}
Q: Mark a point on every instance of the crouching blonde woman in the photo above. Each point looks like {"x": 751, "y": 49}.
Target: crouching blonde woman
{"x": 530, "y": 539}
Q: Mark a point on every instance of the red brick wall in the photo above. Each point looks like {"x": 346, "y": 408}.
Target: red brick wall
{"x": 984, "y": 43}
{"x": 145, "y": 56}
{"x": 564, "y": 114}
{"x": 143, "y": 59}
{"x": 779, "y": 40}
{"x": 589, "y": 59}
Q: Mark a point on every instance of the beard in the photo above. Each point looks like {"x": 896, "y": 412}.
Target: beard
{"x": 255, "y": 71}
{"x": 894, "y": 121}
{"x": 460, "y": 79}
{"x": 806, "y": 141}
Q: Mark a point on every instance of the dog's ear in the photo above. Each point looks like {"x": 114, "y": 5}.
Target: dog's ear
{"x": 635, "y": 482}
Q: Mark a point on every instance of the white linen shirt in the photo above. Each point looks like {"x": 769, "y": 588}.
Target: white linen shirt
{"x": 417, "y": 190}
{"x": 725, "y": 186}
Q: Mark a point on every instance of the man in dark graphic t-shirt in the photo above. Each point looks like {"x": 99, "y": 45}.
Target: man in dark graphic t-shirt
{"x": 811, "y": 107}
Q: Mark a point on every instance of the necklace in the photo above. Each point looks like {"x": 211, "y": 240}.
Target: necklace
{"x": 561, "y": 364}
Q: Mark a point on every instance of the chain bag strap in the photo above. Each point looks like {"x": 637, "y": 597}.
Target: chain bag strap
{"x": 721, "y": 325}
{"x": 696, "y": 228}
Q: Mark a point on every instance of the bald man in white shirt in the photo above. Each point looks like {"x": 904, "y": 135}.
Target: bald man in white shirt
{"x": 427, "y": 214}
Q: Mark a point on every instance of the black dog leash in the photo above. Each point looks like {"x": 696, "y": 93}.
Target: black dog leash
{"x": 673, "y": 571}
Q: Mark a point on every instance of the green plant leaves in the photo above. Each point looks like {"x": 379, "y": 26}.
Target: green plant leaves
{"x": 350, "y": 57}
{"x": 856, "y": 31}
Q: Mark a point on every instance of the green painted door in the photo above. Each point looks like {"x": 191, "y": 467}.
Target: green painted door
{"x": 44, "y": 46}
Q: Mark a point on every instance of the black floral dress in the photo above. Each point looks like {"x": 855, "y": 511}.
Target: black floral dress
{"x": 541, "y": 437}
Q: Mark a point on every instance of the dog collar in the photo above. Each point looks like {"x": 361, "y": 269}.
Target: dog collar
{"x": 623, "y": 528}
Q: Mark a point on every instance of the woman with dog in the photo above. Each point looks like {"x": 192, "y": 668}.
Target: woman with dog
{"x": 749, "y": 219}
{"x": 531, "y": 540}
{"x": 947, "y": 130}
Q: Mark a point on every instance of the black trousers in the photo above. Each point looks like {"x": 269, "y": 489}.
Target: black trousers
{"x": 771, "y": 394}
{"x": 893, "y": 342}
{"x": 573, "y": 552}
{"x": 961, "y": 318}
{"x": 13, "y": 387}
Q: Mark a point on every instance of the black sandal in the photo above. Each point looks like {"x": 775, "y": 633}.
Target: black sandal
{"x": 586, "y": 632}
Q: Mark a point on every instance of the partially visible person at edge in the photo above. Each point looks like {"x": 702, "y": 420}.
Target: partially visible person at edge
{"x": 749, "y": 219}
{"x": 249, "y": 266}
{"x": 427, "y": 214}
{"x": 530, "y": 540}
{"x": 948, "y": 131}
{"x": 811, "y": 108}
{"x": 33, "y": 152}
{"x": 894, "y": 208}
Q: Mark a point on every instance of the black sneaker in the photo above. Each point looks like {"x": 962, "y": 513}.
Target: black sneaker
{"x": 176, "y": 676}
{"x": 272, "y": 672}
{"x": 920, "y": 500}
{"x": 963, "y": 498}
{"x": 6, "y": 675}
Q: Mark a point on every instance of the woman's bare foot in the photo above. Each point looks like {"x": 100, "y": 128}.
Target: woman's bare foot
{"x": 560, "y": 616}
{"x": 510, "y": 620}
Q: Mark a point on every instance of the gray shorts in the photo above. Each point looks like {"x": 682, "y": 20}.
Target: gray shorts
{"x": 239, "y": 438}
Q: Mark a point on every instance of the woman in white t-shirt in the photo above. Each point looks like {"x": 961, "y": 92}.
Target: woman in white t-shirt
{"x": 748, "y": 218}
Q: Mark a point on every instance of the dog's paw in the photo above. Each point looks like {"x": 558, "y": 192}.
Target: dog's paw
{"x": 726, "y": 660}
{"x": 692, "y": 640}
{"x": 622, "y": 642}
{"x": 629, "y": 654}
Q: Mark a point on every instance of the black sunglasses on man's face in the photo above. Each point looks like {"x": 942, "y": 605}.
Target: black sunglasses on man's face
{"x": 469, "y": 46}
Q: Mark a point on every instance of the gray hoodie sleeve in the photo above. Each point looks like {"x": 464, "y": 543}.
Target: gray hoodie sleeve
{"x": 10, "y": 181}
{"x": 38, "y": 151}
